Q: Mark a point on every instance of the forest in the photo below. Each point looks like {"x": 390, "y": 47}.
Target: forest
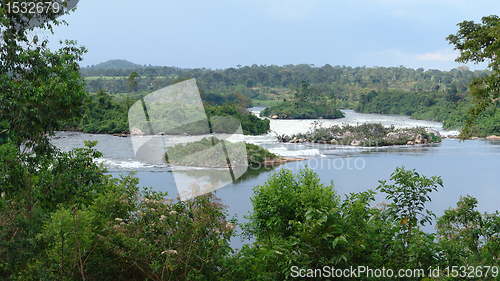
{"x": 104, "y": 113}
{"x": 422, "y": 94}
{"x": 308, "y": 103}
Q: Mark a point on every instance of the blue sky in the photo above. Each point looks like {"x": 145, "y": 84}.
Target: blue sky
{"x": 221, "y": 34}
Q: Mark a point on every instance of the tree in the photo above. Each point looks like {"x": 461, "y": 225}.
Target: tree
{"x": 409, "y": 195}
{"x": 39, "y": 87}
{"x": 467, "y": 236}
{"x": 302, "y": 94}
{"x": 451, "y": 93}
{"x": 478, "y": 42}
{"x": 131, "y": 82}
{"x": 249, "y": 83}
{"x": 436, "y": 88}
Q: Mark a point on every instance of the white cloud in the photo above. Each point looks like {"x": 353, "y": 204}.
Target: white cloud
{"x": 443, "y": 59}
{"x": 441, "y": 55}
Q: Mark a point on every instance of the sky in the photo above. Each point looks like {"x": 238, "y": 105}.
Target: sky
{"x": 221, "y": 34}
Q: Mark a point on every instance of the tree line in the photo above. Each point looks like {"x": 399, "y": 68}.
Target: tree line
{"x": 106, "y": 114}
{"x": 272, "y": 82}
{"x": 428, "y": 95}
{"x": 284, "y": 76}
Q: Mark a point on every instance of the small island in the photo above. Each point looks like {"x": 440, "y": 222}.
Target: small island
{"x": 309, "y": 103}
{"x": 206, "y": 157}
{"x": 369, "y": 134}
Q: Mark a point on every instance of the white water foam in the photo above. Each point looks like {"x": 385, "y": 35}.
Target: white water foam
{"x": 285, "y": 152}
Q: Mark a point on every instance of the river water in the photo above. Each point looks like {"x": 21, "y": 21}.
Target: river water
{"x": 467, "y": 168}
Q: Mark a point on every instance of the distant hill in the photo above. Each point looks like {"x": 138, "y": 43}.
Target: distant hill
{"x": 115, "y": 64}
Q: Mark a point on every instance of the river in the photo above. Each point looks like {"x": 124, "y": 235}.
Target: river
{"x": 467, "y": 168}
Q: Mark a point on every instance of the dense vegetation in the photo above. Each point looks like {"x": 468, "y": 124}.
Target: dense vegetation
{"x": 78, "y": 223}
{"x": 478, "y": 42}
{"x": 449, "y": 107}
{"x": 206, "y": 157}
{"x": 258, "y": 155}
{"x": 309, "y": 103}
{"x": 429, "y": 95}
{"x": 484, "y": 124}
{"x": 435, "y": 106}
{"x": 251, "y": 124}
{"x": 104, "y": 113}
{"x": 306, "y": 110}
{"x": 278, "y": 82}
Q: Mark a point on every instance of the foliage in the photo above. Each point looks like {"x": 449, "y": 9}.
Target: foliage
{"x": 346, "y": 83}
{"x": 166, "y": 240}
{"x": 290, "y": 197}
{"x": 298, "y": 221}
{"x": 306, "y": 110}
{"x": 62, "y": 217}
{"x": 102, "y": 113}
{"x": 285, "y": 210}
{"x": 105, "y": 113}
{"x": 309, "y": 103}
{"x": 32, "y": 192}
{"x": 202, "y": 154}
{"x": 102, "y": 227}
{"x": 257, "y": 155}
{"x": 235, "y": 99}
{"x": 68, "y": 220}
{"x": 454, "y": 111}
{"x": 409, "y": 195}
{"x": 467, "y": 236}
{"x": 478, "y": 42}
{"x": 427, "y": 95}
{"x": 484, "y": 124}
{"x": 250, "y": 124}
{"x": 427, "y": 106}
{"x": 205, "y": 157}
{"x": 131, "y": 81}
{"x": 38, "y": 86}
{"x": 424, "y": 94}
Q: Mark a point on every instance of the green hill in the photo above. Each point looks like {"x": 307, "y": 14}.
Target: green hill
{"x": 115, "y": 64}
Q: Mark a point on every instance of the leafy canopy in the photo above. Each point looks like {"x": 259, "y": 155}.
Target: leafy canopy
{"x": 39, "y": 87}
{"x": 478, "y": 42}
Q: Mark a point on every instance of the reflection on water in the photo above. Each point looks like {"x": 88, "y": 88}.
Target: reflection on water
{"x": 254, "y": 172}
{"x": 212, "y": 175}
{"x": 493, "y": 142}
{"x": 330, "y": 150}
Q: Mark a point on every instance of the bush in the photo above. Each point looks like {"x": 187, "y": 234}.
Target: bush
{"x": 298, "y": 221}
{"x": 63, "y": 218}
